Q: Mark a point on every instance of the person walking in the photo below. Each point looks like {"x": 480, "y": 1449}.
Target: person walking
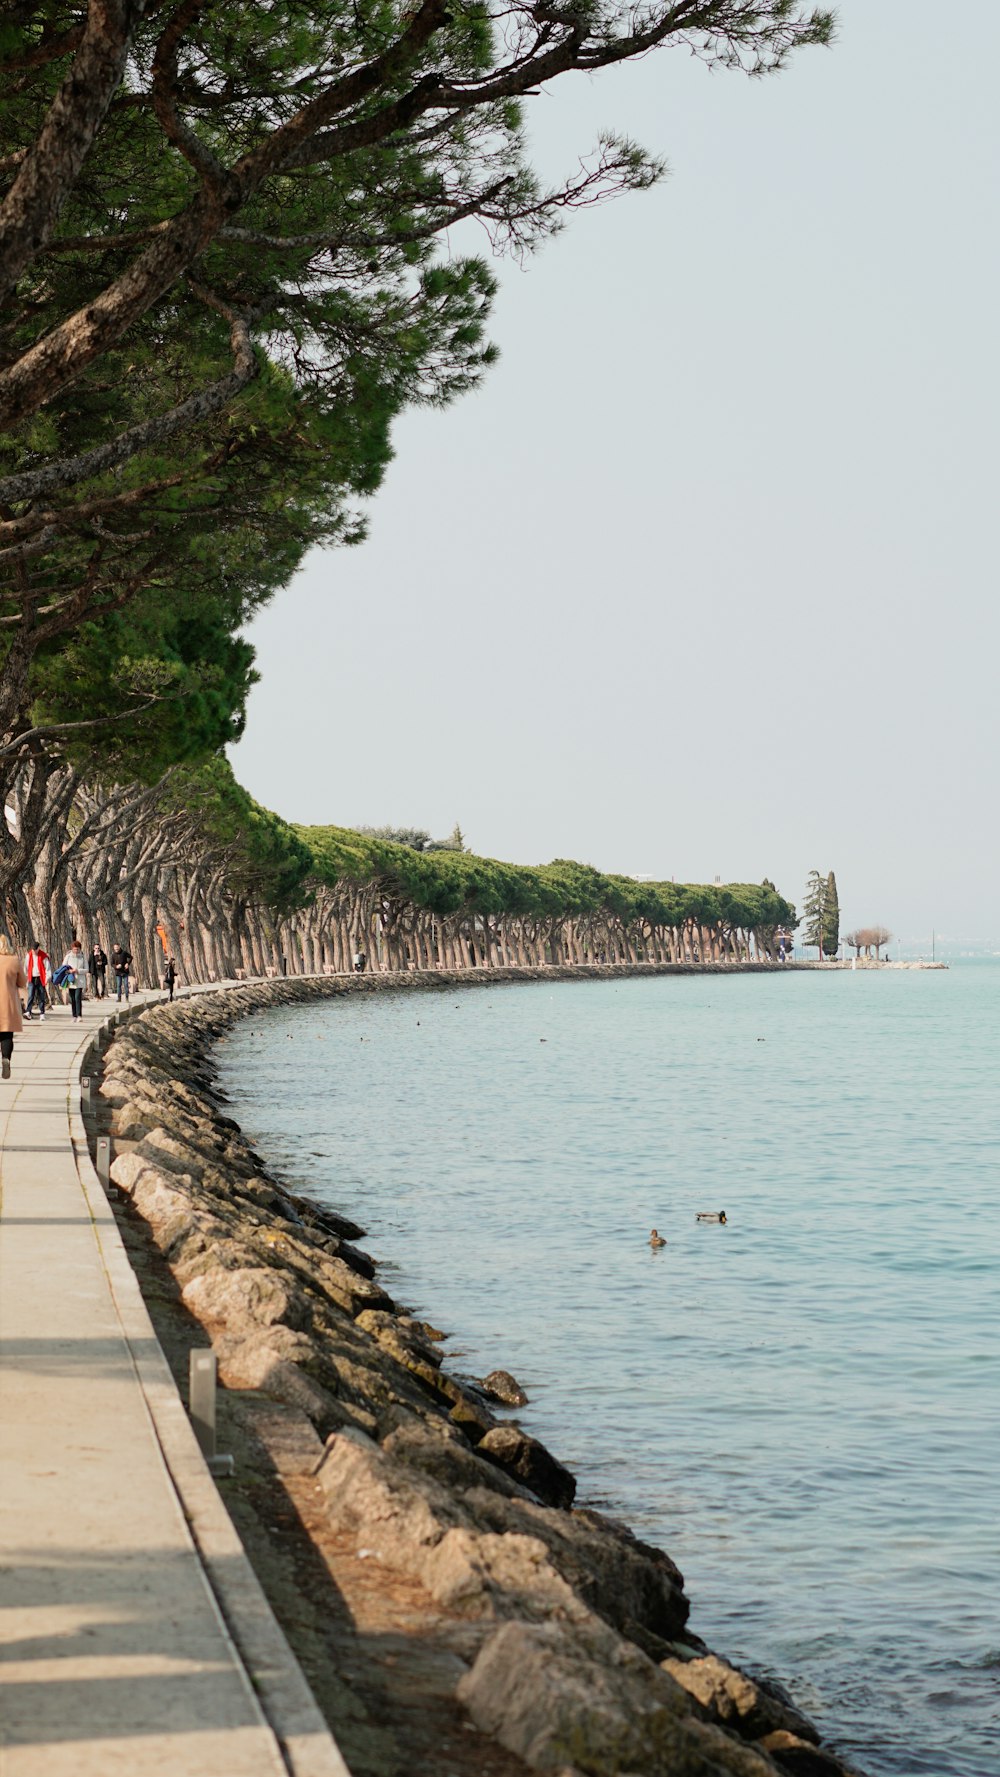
{"x": 121, "y": 962}
{"x": 170, "y": 976}
{"x": 36, "y": 968}
{"x": 12, "y": 980}
{"x": 72, "y": 962}
{"x": 97, "y": 968}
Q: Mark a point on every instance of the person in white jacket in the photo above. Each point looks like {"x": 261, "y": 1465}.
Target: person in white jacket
{"x": 73, "y": 961}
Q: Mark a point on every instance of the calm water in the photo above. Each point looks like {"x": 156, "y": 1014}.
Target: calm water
{"x": 803, "y": 1406}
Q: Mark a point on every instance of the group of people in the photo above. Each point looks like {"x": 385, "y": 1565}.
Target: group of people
{"x": 41, "y": 977}
{"x": 38, "y": 979}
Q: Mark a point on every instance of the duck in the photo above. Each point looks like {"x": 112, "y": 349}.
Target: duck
{"x": 656, "y": 1239}
{"x": 710, "y": 1215}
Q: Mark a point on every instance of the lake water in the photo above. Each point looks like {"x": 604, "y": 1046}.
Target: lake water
{"x": 802, "y": 1406}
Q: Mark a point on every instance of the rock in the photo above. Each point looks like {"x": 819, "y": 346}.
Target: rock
{"x": 800, "y": 1757}
{"x": 312, "y": 1213}
{"x": 289, "y": 1436}
{"x": 441, "y": 1451}
{"x": 501, "y": 1386}
{"x": 163, "y": 1201}
{"x": 529, "y": 1461}
{"x": 344, "y": 1287}
{"x": 633, "y": 1586}
{"x": 732, "y": 1699}
{"x": 470, "y": 1415}
{"x": 579, "y": 1695}
{"x": 359, "y": 1261}
{"x": 247, "y": 1364}
{"x": 393, "y": 1330}
{"x": 244, "y": 1299}
{"x": 420, "y": 1527}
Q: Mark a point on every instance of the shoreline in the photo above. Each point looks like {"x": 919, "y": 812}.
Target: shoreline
{"x": 567, "y": 1635}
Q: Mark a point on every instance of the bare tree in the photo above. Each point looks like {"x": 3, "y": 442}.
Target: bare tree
{"x": 867, "y": 939}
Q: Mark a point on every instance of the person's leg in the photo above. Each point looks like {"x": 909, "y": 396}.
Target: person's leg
{"x": 118, "y": 984}
{"x": 76, "y": 1001}
{"x": 34, "y": 993}
{"x": 6, "y": 1051}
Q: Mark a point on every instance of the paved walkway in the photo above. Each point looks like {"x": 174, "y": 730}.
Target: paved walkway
{"x": 114, "y": 1547}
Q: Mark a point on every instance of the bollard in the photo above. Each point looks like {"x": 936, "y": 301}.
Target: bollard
{"x": 104, "y": 1160}
{"x": 202, "y": 1373}
{"x": 87, "y": 1084}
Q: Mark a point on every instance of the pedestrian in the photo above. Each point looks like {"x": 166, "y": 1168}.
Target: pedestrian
{"x": 97, "y": 968}
{"x": 360, "y": 963}
{"x": 12, "y": 979}
{"x": 121, "y": 962}
{"x": 170, "y": 976}
{"x": 72, "y": 963}
{"x": 36, "y": 968}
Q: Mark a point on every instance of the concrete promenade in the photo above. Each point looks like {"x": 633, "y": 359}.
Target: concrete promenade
{"x": 134, "y": 1637}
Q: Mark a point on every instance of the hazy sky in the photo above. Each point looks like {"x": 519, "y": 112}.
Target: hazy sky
{"x": 703, "y": 581}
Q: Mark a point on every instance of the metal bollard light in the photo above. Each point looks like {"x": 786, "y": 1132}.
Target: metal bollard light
{"x": 104, "y": 1160}
{"x": 203, "y": 1375}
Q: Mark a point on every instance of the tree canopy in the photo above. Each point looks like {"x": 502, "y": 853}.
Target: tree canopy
{"x": 225, "y": 268}
{"x": 447, "y": 882}
{"x": 220, "y": 276}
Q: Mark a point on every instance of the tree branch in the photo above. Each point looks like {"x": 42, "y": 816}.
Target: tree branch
{"x": 50, "y": 167}
{"x": 34, "y": 482}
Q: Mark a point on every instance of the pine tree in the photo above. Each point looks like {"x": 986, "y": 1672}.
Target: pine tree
{"x": 831, "y": 917}
{"x": 813, "y": 911}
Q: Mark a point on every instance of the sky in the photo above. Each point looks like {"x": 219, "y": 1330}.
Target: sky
{"x": 702, "y": 581}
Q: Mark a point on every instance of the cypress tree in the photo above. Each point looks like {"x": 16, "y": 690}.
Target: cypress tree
{"x": 831, "y": 917}
{"x": 813, "y": 911}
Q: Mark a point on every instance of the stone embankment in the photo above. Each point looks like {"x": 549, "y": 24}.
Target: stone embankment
{"x": 571, "y": 1637}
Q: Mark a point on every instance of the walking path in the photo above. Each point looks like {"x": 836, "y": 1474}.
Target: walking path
{"x": 134, "y": 1637}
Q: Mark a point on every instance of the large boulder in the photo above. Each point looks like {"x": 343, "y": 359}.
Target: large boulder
{"x": 163, "y": 1200}
{"x": 419, "y": 1526}
{"x": 241, "y": 1300}
{"x": 530, "y": 1463}
{"x": 558, "y": 1694}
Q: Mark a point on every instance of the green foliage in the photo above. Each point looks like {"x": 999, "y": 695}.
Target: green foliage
{"x": 182, "y": 671}
{"x": 449, "y": 883}
{"x": 814, "y": 911}
{"x": 239, "y": 280}
{"x": 831, "y": 917}
{"x": 263, "y": 858}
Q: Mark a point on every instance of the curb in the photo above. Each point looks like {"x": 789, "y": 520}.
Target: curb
{"x": 303, "y": 1743}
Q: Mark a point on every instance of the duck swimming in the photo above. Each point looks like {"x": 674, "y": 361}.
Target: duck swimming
{"x": 656, "y": 1239}
{"x": 710, "y": 1215}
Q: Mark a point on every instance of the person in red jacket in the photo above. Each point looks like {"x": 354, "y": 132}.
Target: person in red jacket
{"x": 36, "y": 968}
